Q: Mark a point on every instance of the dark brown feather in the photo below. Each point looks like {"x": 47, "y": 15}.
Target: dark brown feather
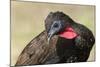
{"x": 37, "y": 51}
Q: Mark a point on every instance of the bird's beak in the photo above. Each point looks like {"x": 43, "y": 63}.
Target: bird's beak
{"x": 50, "y": 34}
{"x": 54, "y": 29}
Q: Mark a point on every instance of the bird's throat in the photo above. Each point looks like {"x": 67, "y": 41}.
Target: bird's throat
{"x": 68, "y": 33}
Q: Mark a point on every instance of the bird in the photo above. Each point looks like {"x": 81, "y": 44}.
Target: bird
{"x": 62, "y": 41}
{"x": 75, "y": 40}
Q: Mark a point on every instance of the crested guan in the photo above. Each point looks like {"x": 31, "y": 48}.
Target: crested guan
{"x": 75, "y": 40}
{"x": 63, "y": 41}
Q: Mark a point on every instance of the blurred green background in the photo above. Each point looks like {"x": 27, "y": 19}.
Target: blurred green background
{"x": 27, "y": 21}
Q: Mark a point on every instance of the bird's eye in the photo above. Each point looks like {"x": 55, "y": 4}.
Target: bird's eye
{"x": 56, "y": 25}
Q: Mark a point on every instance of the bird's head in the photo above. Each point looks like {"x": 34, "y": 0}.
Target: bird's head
{"x": 58, "y": 23}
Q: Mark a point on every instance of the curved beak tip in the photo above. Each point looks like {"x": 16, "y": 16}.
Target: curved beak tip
{"x": 49, "y": 37}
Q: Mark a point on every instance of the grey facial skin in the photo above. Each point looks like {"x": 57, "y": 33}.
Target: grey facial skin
{"x": 55, "y": 28}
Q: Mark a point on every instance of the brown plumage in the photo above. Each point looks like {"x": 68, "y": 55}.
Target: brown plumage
{"x": 37, "y": 50}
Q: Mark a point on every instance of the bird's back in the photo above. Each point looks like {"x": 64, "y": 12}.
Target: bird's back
{"x": 36, "y": 51}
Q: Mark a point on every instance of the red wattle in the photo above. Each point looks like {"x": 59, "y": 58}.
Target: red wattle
{"x": 68, "y": 33}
